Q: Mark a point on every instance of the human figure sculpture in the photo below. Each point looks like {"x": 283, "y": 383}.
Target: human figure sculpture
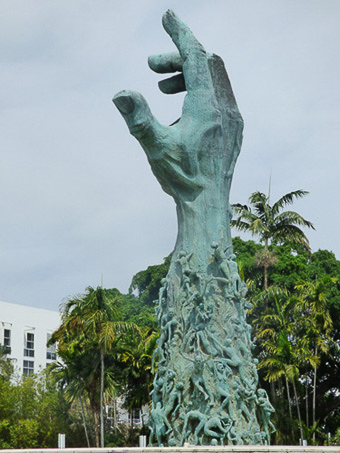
{"x": 161, "y": 300}
{"x": 235, "y": 278}
{"x": 158, "y": 385}
{"x": 217, "y": 426}
{"x": 197, "y": 332}
{"x": 161, "y": 424}
{"x": 223, "y": 374}
{"x": 200, "y": 301}
{"x": 199, "y": 418}
{"x": 266, "y": 409}
{"x": 175, "y": 397}
{"x": 197, "y": 377}
{"x": 229, "y": 270}
{"x": 184, "y": 261}
{"x": 168, "y": 329}
{"x": 244, "y": 400}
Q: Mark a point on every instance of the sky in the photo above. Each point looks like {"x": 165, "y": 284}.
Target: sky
{"x": 79, "y": 205}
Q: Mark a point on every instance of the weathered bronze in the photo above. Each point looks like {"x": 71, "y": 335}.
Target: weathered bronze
{"x": 205, "y": 389}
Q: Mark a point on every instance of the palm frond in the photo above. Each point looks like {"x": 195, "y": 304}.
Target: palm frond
{"x": 288, "y": 199}
{"x": 239, "y": 208}
{"x": 292, "y": 217}
{"x": 240, "y": 224}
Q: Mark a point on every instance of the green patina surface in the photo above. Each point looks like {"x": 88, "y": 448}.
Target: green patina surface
{"x": 206, "y": 386}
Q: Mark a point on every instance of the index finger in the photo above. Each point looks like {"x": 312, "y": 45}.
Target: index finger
{"x": 195, "y": 63}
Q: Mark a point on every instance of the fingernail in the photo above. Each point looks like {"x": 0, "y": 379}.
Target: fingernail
{"x": 124, "y": 104}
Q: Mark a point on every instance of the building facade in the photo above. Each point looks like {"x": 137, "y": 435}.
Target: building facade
{"x": 24, "y": 331}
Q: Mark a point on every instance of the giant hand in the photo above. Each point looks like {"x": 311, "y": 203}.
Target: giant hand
{"x": 194, "y": 158}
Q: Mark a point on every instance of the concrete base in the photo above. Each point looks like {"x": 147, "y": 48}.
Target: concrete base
{"x": 228, "y": 449}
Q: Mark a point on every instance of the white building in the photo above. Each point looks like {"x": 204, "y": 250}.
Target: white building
{"x": 25, "y": 331}
{"x": 116, "y": 413}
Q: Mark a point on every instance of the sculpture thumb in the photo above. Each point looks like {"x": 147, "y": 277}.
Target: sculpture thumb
{"x": 136, "y": 112}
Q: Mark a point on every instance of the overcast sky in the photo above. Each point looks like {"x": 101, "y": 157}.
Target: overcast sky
{"x": 78, "y": 199}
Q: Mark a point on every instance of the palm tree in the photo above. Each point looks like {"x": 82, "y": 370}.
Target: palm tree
{"x": 137, "y": 359}
{"x": 90, "y": 327}
{"x": 317, "y": 323}
{"x": 271, "y": 224}
{"x": 70, "y": 376}
{"x": 284, "y": 351}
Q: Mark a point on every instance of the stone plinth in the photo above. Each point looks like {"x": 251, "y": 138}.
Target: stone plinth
{"x": 193, "y": 449}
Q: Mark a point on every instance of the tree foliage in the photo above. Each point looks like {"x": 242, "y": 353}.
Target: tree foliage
{"x": 297, "y": 337}
{"x": 88, "y": 341}
{"x": 33, "y": 412}
{"x": 145, "y": 284}
{"x": 272, "y": 225}
{"x": 269, "y": 221}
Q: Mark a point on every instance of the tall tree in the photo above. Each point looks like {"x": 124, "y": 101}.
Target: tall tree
{"x": 138, "y": 367}
{"x": 296, "y": 264}
{"x": 73, "y": 376}
{"x": 317, "y": 323}
{"x": 90, "y": 326}
{"x": 271, "y": 223}
{"x": 284, "y": 352}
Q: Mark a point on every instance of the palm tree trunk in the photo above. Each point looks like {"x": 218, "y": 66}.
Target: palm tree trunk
{"x": 272, "y": 392}
{"x": 115, "y": 414}
{"x": 84, "y": 421}
{"x": 96, "y": 427}
{"x": 298, "y": 409}
{"x": 101, "y": 398}
{"x": 280, "y": 387}
{"x": 265, "y": 283}
{"x": 289, "y": 404}
{"x": 90, "y": 417}
{"x": 314, "y": 394}
{"x": 289, "y": 399}
{"x": 307, "y": 405}
{"x": 131, "y": 419}
{"x": 131, "y": 426}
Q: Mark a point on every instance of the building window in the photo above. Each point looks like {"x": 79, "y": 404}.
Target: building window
{"x": 28, "y": 368}
{"x": 29, "y": 345}
{"x": 135, "y": 416}
{"x": 50, "y": 350}
{"x": 7, "y": 340}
